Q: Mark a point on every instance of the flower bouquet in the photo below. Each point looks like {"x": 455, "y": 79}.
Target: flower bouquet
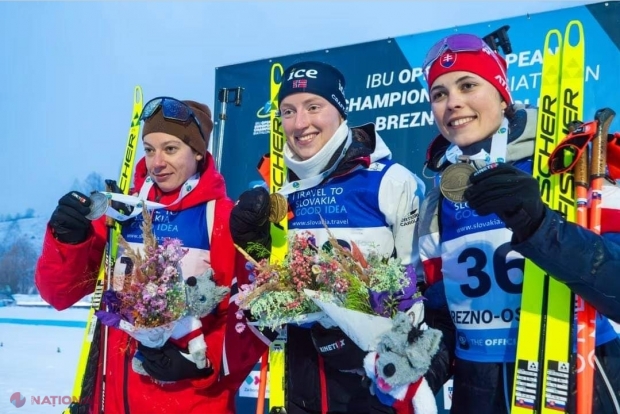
{"x": 155, "y": 303}
{"x": 324, "y": 281}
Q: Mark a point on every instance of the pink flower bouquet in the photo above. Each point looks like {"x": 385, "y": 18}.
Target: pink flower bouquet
{"x": 155, "y": 303}
{"x": 278, "y": 292}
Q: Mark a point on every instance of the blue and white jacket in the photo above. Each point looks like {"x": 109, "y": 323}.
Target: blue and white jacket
{"x": 369, "y": 200}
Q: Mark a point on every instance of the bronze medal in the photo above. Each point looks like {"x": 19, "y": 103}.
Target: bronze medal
{"x": 455, "y": 180}
{"x": 278, "y": 207}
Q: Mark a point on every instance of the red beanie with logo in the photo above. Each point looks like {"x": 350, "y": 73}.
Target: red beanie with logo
{"x": 485, "y": 63}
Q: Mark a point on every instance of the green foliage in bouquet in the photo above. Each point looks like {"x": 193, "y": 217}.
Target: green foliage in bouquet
{"x": 153, "y": 293}
{"x": 276, "y": 295}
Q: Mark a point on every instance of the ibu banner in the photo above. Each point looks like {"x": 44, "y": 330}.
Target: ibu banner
{"x": 385, "y": 85}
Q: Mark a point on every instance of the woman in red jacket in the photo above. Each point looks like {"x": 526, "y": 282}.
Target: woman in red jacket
{"x": 181, "y": 175}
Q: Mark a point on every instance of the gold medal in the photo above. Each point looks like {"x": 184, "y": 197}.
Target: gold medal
{"x": 455, "y": 180}
{"x": 278, "y": 207}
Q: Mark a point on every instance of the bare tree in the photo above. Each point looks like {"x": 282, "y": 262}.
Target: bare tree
{"x": 93, "y": 182}
{"x": 17, "y": 265}
{"x": 10, "y": 235}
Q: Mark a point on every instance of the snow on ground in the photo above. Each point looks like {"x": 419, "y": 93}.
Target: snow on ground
{"x": 39, "y": 354}
{"x": 37, "y": 361}
{"x": 38, "y": 358}
{"x": 37, "y": 301}
{"x": 43, "y": 313}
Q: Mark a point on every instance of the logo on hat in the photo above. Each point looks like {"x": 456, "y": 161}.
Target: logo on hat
{"x": 447, "y": 60}
{"x": 300, "y": 83}
{"x": 303, "y": 73}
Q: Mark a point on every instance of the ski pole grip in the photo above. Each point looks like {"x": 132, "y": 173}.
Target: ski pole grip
{"x": 599, "y": 144}
{"x": 580, "y": 170}
{"x": 109, "y": 187}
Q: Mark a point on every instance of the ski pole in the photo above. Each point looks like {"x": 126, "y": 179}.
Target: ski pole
{"x": 581, "y": 185}
{"x": 225, "y": 96}
{"x": 109, "y": 262}
{"x": 597, "y": 167}
{"x": 262, "y": 385}
{"x": 584, "y": 312}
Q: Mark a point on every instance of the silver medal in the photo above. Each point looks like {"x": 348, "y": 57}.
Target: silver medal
{"x": 98, "y": 206}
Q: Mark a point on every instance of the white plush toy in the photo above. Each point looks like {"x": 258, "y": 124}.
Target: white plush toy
{"x": 398, "y": 366}
{"x": 203, "y": 296}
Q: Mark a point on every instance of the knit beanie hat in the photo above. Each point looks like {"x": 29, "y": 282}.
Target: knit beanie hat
{"x": 187, "y": 132}
{"x": 317, "y": 78}
{"x": 486, "y": 63}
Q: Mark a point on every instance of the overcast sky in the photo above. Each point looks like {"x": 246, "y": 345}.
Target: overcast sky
{"x": 68, "y": 69}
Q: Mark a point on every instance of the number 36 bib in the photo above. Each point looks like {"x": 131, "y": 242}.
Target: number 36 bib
{"x": 483, "y": 280}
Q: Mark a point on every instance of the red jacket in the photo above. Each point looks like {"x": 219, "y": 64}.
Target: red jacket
{"x": 66, "y": 273}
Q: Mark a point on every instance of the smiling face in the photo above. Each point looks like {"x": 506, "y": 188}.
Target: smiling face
{"x": 309, "y": 121}
{"x": 169, "y": 161}
{"x": 467, "y": 108}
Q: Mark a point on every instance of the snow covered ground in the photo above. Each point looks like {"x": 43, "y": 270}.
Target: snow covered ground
{"x": 39, "y": 348}
{"x": 38, "y": 361}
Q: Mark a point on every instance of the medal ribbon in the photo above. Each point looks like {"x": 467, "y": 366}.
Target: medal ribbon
{"x": 140, "y": 201}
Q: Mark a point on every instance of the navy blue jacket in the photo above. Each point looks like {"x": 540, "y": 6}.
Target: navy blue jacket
{"x": 588, "y": 263}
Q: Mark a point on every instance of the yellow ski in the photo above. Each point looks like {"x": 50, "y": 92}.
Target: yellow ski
{"x": 279, "y": 239}
{"x": 541, "y": 383}
{"x": 88, "y": 363}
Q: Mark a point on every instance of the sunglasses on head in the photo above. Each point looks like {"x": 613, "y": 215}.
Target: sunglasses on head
{"x": 172, "y": 109}
{"x": 456, "y": 43}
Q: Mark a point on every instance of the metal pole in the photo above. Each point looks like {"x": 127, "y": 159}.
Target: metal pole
{"x": 225, "y": 95}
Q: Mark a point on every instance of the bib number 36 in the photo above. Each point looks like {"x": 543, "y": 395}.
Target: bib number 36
{"x": 479, "y": 282}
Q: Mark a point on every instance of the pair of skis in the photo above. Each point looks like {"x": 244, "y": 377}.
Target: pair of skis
{"x": 545, "y": 341}
{"x": 88, "y": 368}
{"x": 273, "y": 368}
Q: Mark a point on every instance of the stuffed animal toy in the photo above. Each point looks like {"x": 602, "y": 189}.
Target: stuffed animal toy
{"x": 398, "y": 366}
{"x": 203, "y": 296}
